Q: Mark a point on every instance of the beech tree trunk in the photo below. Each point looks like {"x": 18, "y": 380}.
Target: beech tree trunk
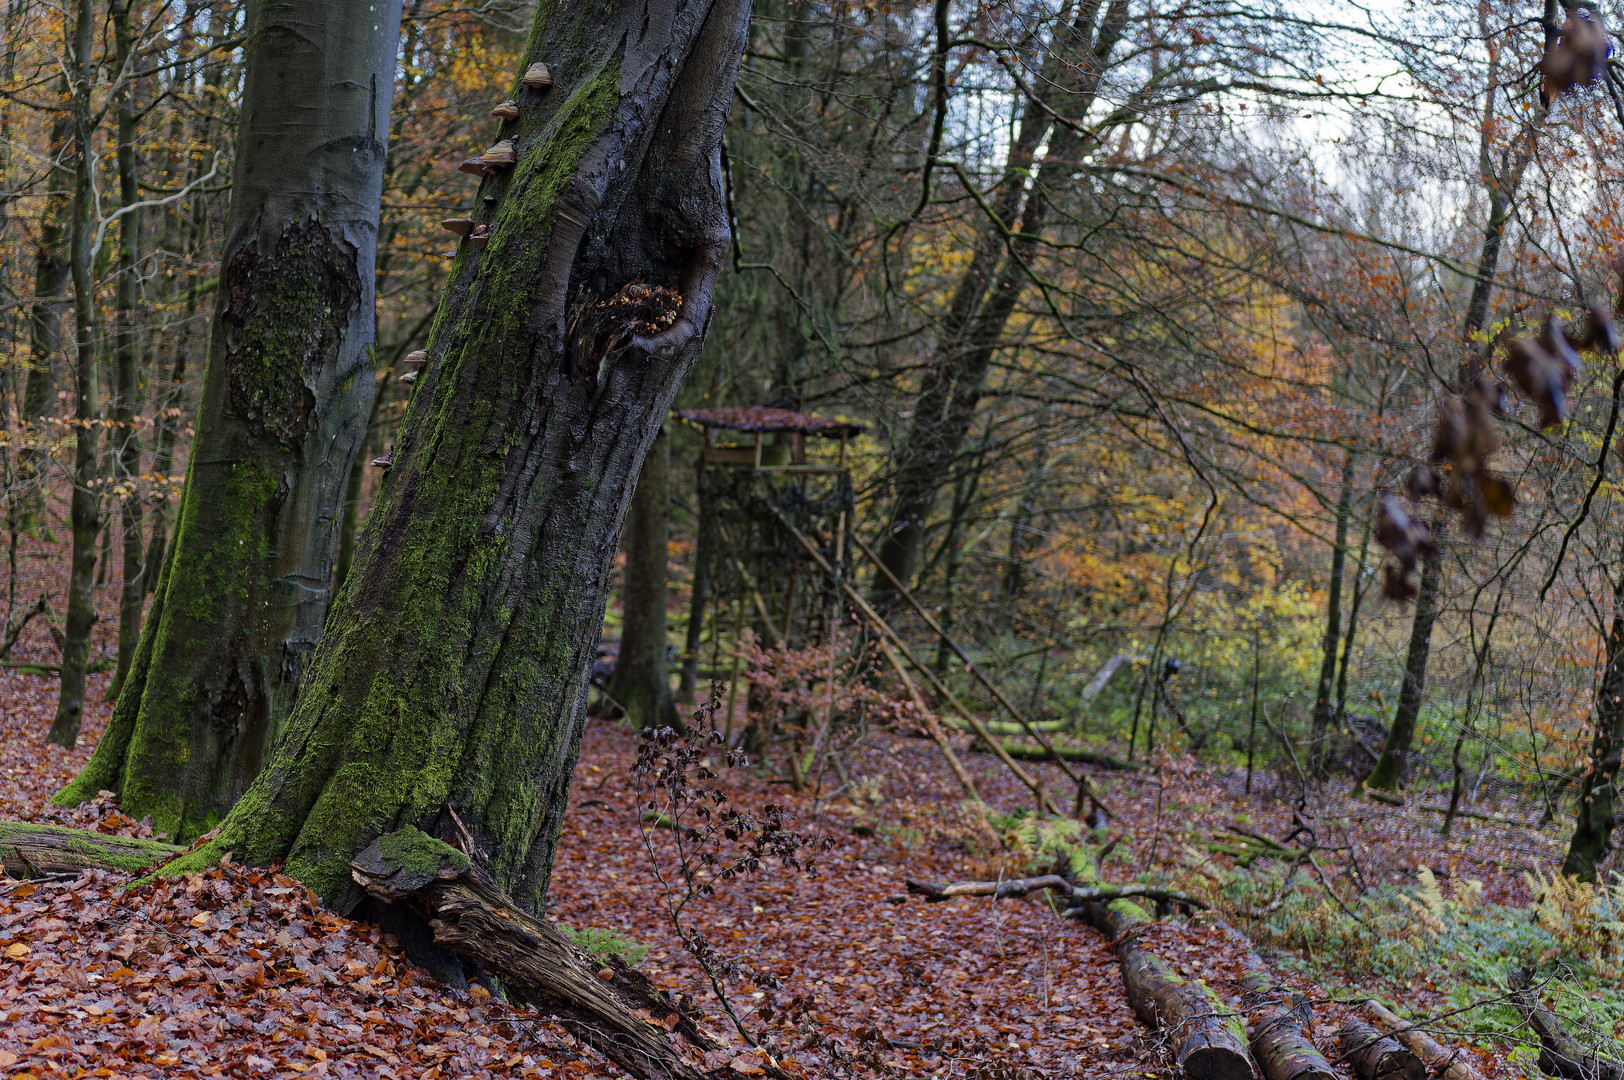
{"x": 449, "y": 691}
{"x": 1597, "y": 813}
{"x": 126, "y": 434}
{"x": 51, "y": 275}
{"x": 84, "y": 506}
{"x": 641, "y": 685}
{"x": 285, "y": 398}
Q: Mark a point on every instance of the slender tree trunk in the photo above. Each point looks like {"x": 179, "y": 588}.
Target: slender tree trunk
{"x": 1597, "y": 816}
{"x": 985, "y": 297}
{"x": 1389, "y": 772}
{"x": 52, "y": 271}
{"x": 126, "y": 372}
{"x": 704, "y": 565}
{"x": 449, "y": 691}
{"x": 85, "y": 510}
{"x": 1324, "y": 692}
{"x": 163, "y": 456}
{"x": 285, "y": 399}
{"x": 641, "y": 684}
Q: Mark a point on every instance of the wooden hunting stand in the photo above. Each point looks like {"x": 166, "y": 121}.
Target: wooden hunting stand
{"x": 749, "y": 569}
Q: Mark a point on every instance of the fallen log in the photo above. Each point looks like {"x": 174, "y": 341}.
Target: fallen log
{"x": 28, "y": 850}
{"x": 1439, "y": 1060}
{"x": 1070, "y": 753}
{"x": 1278, "y": 1023}
{"x": 1560, "y": 1054}
{"x": 1016, "y": 887}
{"x": 1375, "y": 1056}
{"x": 536, "y": 962}
{"x": 1208, "y": 1038}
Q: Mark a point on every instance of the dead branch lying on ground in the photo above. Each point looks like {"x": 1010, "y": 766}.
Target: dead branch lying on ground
{"x": 1015, "y": 887}
{"x": 28, "y": 850}
{"x": 1560, "y": 1054}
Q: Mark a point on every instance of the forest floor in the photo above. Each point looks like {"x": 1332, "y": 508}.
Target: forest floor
{"x": 239, "y": 972}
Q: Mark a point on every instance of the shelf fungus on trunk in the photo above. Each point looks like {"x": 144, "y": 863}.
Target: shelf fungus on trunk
{"x": 382, "y": 462}
{"x": 537, "y": 77}
{"x": 474, "y": 166}
{"x": 460, "y": 225}
{"x": 499, "y": 156}
{"x": 507, "y": 110}
{"x": 409, "y": 377}
{"x": 418, "y": 359}
{"x": 480, "y": 236}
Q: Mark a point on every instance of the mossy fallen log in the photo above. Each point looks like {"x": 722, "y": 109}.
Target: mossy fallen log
{"x": 1375, "y": 1056}
{"x": 1440, "y": 1060}
{"x": 537, "y": 963}
{"x": 28, "y": 850}
{"x": 1071, "y": 894}
{"x": 1208, "y": 1038}
{"x": 1278, "y": 1024}
{"x": 1070, "y": 753}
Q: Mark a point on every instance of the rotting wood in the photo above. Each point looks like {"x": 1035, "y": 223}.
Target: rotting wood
{"x": 601, "y": 998}
{"x": 28, "y": 850}
{"x": 1439, "y": 1059}
{"x": 1278, "y": 1023}
{"x": 1375, "y": 1056}
{"x": 1560, "y": 1054}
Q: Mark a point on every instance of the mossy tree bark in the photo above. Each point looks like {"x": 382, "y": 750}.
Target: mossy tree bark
{"x": 641, "y": 685}
{"x": 449, "y": 690}
{"x": 1597, "y": 813}
{"x": 286, "y": 393}
{"x": 84, "y": 506}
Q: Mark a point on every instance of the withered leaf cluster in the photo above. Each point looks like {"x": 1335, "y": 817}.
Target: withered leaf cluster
{"x": 1457, "y": 472}
{"x": 1576, "y": 58}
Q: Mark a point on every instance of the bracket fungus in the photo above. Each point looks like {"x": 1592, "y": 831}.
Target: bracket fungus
{"x": 417, "y": 360}
{"x": 501, "y": 154}
{"x": 476, "y": 166}
{"x": 536, "y": 76}
{"x": 507, "y": 110}
{"x": 409, "y": 377}
{"x": 382, "y": 462}
{"x": 460, "y": 225}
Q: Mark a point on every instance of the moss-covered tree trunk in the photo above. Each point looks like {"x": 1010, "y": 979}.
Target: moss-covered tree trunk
{"x": 1597, "y": 814}
{"x": 285, "y": 399}
{"x": 641, "y": 685}
{"x": 449, "y": 691}
{"x": 84, "y": 505}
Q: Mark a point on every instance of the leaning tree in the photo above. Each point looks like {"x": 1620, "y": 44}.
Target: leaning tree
{"x": 286, "y": 397}
{"x": 448, "y": 692}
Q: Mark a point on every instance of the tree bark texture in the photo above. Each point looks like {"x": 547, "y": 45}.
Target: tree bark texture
{"x": 987, "y": 293}
{"x": 1324, "y": 691}
{"x": 1279, "y": 1024}
{"x": 285, "y": 398}
{"x": 1440, "y": 1060}
{"x": 641, "y": 684}
{"x": 52, "y": 271}
{"x": 84, "y": 506}
{"x": 449, "y": 690}
{"x": 708, "y": 490}
{"x": 1389, "y": 773}
{"x": 1597, "y": 814}
{"x": 1374, "y": 1056}
{"x": 28, "y": 850}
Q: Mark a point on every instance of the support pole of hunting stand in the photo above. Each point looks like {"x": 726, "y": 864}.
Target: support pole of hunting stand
{"x": 884, "y": 629}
